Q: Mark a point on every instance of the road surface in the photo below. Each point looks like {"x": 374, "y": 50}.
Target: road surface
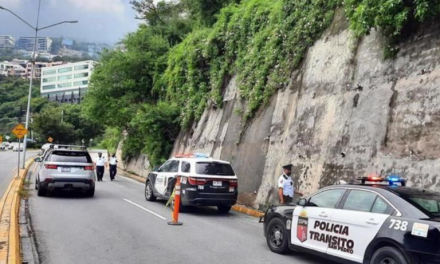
{"x": 119, "y": 226}
{"x": 8, "y": 167}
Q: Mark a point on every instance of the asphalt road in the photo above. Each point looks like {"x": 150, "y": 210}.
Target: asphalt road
{"x": 8, "y": 166}
{"x": 119, "y": 226}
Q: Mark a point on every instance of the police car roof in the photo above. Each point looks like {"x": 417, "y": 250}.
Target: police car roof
{"x": 200, "y": 159}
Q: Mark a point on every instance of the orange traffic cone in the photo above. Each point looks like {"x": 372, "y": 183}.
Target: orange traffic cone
{"x": 175, "y": 215}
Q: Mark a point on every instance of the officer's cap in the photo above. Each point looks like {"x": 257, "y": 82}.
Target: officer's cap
{"x": 288, "y": 167}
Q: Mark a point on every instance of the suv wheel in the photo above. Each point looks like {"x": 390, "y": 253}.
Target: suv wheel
{"x": 388, "y": 255}
{"x": 149, "y": 194}
{"x": 277, "y": 236}
{"x": 41, "y": 190}
{"x": 224, "y": 209}
{"x": 91, "y": 192}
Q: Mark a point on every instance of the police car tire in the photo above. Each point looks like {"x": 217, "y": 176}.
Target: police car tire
{"x": 281, "y": 226}
{"x": 392, "y": 253}
{"x": 150, "y": 198}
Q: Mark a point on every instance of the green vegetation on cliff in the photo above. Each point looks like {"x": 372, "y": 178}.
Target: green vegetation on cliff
{"x": 178, "y": 63}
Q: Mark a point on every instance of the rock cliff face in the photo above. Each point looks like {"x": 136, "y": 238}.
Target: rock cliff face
{"x": 347, "y": 112}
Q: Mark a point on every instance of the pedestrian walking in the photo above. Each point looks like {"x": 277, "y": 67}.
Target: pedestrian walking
{"x": 100, "y": 166}
{"x": 286, "y": 189}
{"x": 113, "y": 166}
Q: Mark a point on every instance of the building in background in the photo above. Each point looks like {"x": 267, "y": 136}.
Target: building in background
{"x": 7, "y": 42}
{"x": 12, "y": 69}
{"x": 39, "y": 66}
{"x": 66, "y": 83}
{"x": 27, "y": 43}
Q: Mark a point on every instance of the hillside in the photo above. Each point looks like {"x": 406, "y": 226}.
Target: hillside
{"x": 268, "y": 83}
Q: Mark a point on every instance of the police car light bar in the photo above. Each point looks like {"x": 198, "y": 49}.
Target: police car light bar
{"x": 392, "y": 179}
{"x": 191, "y": 155}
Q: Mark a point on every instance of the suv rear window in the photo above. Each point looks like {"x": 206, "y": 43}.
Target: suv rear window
{"x": 70, "y": 156}
{"x": 214, "y": 168}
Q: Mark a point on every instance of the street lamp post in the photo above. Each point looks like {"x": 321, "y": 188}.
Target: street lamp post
{"x": 36, "y": 29}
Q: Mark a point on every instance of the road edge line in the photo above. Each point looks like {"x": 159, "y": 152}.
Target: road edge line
{"x": 9, "y": 228}
{"x": 238, "y": 208}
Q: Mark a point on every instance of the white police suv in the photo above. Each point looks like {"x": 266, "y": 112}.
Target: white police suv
{"x": 204, "y": 181}
{"x": 360, "y": 223}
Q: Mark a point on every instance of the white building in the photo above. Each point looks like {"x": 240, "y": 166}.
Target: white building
{"x": 12, "y": 69}
{"x": 7, "y": 42}
{"x": 27, "y": 43}
{"x": 66, "y": 83}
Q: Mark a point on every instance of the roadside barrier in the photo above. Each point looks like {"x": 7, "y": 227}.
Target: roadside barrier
{"x": 176, "y": 208}
{"x": 9, "y": 228}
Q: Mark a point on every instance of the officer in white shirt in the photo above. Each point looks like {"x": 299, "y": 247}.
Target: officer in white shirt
{"x": 113, "y": 166}
{"x": 286, "y": 190}
{"x": 100, "y": 163}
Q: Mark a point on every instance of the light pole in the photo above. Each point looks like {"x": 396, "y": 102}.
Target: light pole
{"x": 36, "y": 29}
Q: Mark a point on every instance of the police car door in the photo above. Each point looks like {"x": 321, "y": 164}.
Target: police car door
{"x": 310, "y": 222}
{"x": 162, "y": 172}
{"x": 356, "y": 224}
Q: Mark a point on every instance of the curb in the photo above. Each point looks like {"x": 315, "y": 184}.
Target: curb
{"x": 238, "y": 208}
{"x": 9, "y": 228}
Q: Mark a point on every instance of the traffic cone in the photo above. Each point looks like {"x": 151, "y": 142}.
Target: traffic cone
{"x": 175, "y": 215}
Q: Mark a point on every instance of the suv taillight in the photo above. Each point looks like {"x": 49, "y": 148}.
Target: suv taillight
{"x": 51, "y": 167}
{"x": 196, "y": 181}
{"x": 233, "y": 183}
{"x": 88, "y": 168}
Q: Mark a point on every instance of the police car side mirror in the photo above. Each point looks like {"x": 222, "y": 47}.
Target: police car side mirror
{"x": 38, "y": 159}
{"x": 302, "y": 202}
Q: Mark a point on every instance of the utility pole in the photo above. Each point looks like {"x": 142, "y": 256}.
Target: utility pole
{"x": 36, "y": 29}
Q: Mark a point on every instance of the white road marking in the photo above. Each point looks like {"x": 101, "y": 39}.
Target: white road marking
{"x": 129, "y": 179}
{"x": 145, "y": 209}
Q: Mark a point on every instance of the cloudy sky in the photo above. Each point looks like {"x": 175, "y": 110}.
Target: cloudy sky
{"x": 99, "y": 20}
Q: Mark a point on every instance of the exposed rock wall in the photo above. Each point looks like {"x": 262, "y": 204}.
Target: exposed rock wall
{"x": 139, "y": 166}
{"x": 347, "y": 112}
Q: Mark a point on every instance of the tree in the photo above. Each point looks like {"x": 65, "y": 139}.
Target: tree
{"x": 48, "y": 123}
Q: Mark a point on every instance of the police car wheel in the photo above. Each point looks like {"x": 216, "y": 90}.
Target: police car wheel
{"x": 388, "y": 255}
{"x": 149, "y": 194}
{"x": 277, "y": 236}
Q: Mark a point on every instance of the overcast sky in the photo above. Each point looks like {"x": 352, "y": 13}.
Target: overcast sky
{"x": 99, "y": 20}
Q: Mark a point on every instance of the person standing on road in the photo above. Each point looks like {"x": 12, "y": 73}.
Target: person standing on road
{"x": 100, "y": 163}
{"x": 113, "y": 166}
{"x": 286, "y": 190}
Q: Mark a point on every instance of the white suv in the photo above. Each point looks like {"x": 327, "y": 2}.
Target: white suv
{"x": 205, "y": 181}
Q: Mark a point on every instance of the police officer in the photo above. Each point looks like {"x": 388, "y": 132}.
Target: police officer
{"x": 286, "y": 190}
{"x": 113, "y": 166}
{"x": 100, "y": 163}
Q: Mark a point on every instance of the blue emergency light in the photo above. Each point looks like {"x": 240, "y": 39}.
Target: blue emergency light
{"x": 392, "y": 179}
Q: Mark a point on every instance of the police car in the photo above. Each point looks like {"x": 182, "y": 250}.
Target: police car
{"x": 369, "y": 222}
{"x": 204, "y": 181}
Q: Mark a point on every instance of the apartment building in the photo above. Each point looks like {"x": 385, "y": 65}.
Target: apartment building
{"x": 27, "y": 43}
{"x": 7, "y": 42}
{"x": 66, "y": 83}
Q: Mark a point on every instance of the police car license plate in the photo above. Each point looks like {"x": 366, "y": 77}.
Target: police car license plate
{"x": 216, "y": 183}
{"x": 65, "y": 169}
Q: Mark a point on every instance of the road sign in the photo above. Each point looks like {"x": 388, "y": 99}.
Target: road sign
{"x": 7, "y": 137}
{"x": 19, "y": 131}
{"x": 50, "y": 139}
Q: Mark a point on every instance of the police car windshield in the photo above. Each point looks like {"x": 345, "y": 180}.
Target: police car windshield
{"x": 214, "y": 168}
{"x": 427, "y": 201}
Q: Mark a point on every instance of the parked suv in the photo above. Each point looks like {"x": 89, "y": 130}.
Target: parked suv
{"x": 204, "y": 181}
{"x": 65, "y": 169}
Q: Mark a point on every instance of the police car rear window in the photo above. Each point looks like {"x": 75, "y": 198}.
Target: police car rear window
{"x": 425, "y": 200}
{"x": 70, "y": 156}
{"x": 213, "y": 168}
